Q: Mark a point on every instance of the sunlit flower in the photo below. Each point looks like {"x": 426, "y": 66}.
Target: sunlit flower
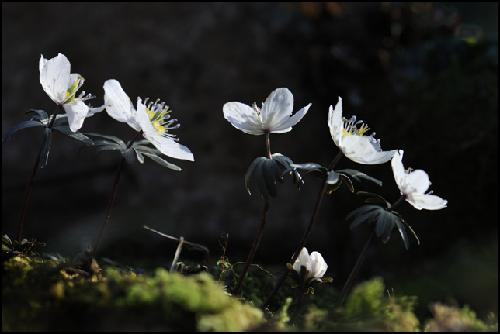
{"x": 61, "y": 85}
{"x": 414, "y": 184}
{"x": 275, "y": 116}
{"x": 351, "y": 137}
{"x": 314, "y": 264}
{"x": 153, "y": 119}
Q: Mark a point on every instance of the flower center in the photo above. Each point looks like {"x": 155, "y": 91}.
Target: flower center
{"x": 353, "y": 127}
{"x": 70, "y": 93}
{"x": 160, "y": 116}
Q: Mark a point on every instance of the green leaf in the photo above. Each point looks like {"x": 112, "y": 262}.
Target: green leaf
{"x": 65, "y": 130}
{"x": 103, "y": 138}
{"x": 47, "y": 141}
{"x": 249, "y": 175}
{"x": 374, "y": 198}
{"x": 140, "y": 157}
{"x": 359, "y": 176}
{"x": 20, "y": 126}
{"x": 363, "y": 214}
{"x": 402, "y": 232}
{"x": 162, "y": 162}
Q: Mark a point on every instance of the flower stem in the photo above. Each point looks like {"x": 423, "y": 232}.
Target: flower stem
{"x": 177, "y": 254}
{"x": 255, "y": 246}
{"x": 268, "y": 145}
{"x": 355, "y": 269}
{"x": 109, "y": 206}
{"x": 398, "y": 202}
{"x": 31, "y": 180}
{"x": 305, "y": 236}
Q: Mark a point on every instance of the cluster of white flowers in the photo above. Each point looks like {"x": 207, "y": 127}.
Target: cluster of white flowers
{"x": 349, "y": 135}
{"x": 152, "y": 119}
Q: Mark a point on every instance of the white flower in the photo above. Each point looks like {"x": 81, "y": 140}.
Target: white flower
{"x": 153, "y": 119}
{"x": 61, "y": 85}
{"x": 275, "y": 116}
{"x": 349, "y": 136}
{"x": 314, "y": 264}
{"x": 414, "y": 184}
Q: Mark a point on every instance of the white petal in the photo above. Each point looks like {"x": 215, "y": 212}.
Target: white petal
{"x": 243, "y": 118}
{"x": 169, "y": 147}
{"x": 55, "y": 77}
{"x": 278, "y": 106}
{"x": 417, "y": 181}
{"x": 302, "y": 260}
{"x": 287, "y": 124}
{"x": 335, "y": 122}
{"x": 118, "y": 104}
{"x": 93, "y": 111}
{"x": 428, "y": 202}
{"x": 319, "y": 266}
{"x": 398, "y": 169}
{"x": 77, "y": 112}
{"x": 362, "y": 150}
{"x": 166, "y": 145}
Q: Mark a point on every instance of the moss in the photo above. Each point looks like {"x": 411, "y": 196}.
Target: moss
{"x": 454, "y": 319}
{"x": 59, "y": 298}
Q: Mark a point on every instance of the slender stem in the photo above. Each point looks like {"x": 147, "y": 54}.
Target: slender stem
{"x": 317, "y": 205}
{"x": 109, "y": 206}
{"x": 177, "y": 254}
{"x": 355, "y": 269}
{"x": 29, "y": 186}
{"x": 398, "y": 202}
{"x": 27, "y": 197}
{"x": 255, "y": 246}
{"x": 268, "y": 145}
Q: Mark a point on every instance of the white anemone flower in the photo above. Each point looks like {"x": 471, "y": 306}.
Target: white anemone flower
{"x": 61, "y": 86}
{"x": 275, "y": 116}
{"x": 414, "y": 184}
{"x": 314, "y": 264}
{"x": 153, "y": 119}
{"x": 350, "y": 137}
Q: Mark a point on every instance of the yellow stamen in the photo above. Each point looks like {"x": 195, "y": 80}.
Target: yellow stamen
{"x": 153, "y": 117}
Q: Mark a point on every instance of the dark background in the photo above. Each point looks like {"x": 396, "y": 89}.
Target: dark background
{"x": 423, "y": 76}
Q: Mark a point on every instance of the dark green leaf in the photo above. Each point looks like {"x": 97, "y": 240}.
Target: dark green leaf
{"x": 249, "y": 175}
{"x": 363, "y": 214}
{"x": 96, "y": 137}
{"x": 47, "y": 141}
{"x": 402, "y": 232}
{"x": 359, "y": 176}
{"x": 21, "y": 126}
{"x": 65, "y": 130}
{"x": 385, "y": 224}
{"x": 162, "y": 162}
{"x": 374, "y": 198}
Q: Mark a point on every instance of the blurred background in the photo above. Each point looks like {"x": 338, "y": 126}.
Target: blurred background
{"x": 422, "y": 75}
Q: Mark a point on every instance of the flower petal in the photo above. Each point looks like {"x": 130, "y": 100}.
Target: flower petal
{"x": 362, "y": 150}
{"x": 77, "y": 112}
{"x": 318, "y": 265}
{"x": 302, "y": 260}
{"x": 277, "y": 107}
{"x": 118, "y": 104}
{"x": 428, "y": 202}
{"x": 286, "y": 124}
{"x": 417, "y": 181}
{"x": 164, "y": 144}
{"x": 335, "y": 122}
{"x": 243, "y": 118}
{"x": 55, "y": 77}
{"x": 398, "y": 169}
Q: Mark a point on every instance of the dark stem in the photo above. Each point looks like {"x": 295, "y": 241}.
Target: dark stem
{"x": 306, "y": 234}
{"x": 109, "y": 206}
{"x": 355, "y": 270}
{"x": 398, "y": 202}
{"x": 300, "y": 300}
{"x": 177, "y": 254}
{"x": 29, "y": 186}
{"x": 255, "y": 246}
{"x": 268, "y": 145}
